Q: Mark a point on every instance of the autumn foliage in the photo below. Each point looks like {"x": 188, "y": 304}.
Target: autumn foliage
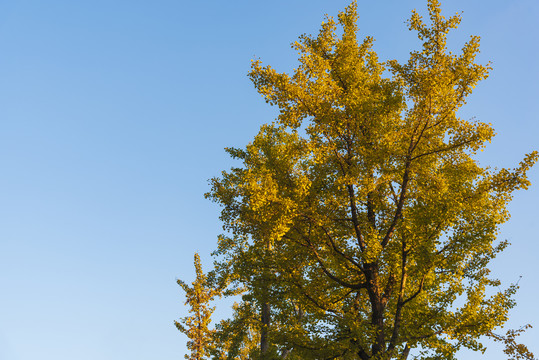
{"x": 359, "y": 224}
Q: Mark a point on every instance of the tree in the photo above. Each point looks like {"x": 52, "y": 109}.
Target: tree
{"x": 198, "y": 295}
{"x": 359, "y": 223}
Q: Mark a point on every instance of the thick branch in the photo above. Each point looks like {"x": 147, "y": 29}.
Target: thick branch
{"x": 400, "y": 302}
{"x": 325, "y": 270}
{"x": 444, "y": 149}
{"x": 418, "y": 290}
{"x": 355, "y": 221}
{"x": 333, "y": 277}
{"x": 400, "y": 205}
{"x": 334, "y": 246}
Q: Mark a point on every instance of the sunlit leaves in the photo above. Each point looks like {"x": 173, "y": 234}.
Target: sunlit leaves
{"x": 361, "y": 216}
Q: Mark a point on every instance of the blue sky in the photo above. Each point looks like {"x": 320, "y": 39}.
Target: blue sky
{"x": 113, "y": 116}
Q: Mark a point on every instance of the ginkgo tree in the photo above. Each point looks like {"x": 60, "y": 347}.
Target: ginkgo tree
{"x": 196, "y": 326}
{"x": 359, "y": 223}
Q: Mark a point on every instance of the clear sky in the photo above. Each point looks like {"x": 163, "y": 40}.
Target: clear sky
{"x": 113, "y": 116}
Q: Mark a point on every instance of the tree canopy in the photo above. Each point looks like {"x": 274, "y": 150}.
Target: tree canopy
{"x": 359, "y": 224}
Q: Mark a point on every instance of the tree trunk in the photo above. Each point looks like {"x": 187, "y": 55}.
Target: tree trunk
{"x": 264, "y": 333}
